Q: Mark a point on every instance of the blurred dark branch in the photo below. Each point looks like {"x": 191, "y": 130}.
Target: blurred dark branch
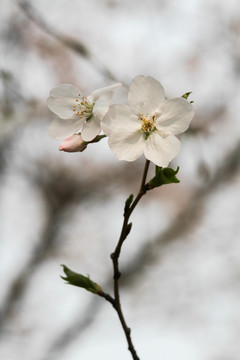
{"x": 6, "y": 101}
{"x": 56, "y": 207}
{"x": 74, "y": 45}
{"x": 19, "y": 285}
{"x": 83, "y": 322}
{"x": 34, "y": 16}
{"x": 58, "y": 195}
{"x": 60, "y": 189}
{"x": 11, "y": 95}
{"x": 203, "y": 125}
{"x": 11, "y": 101}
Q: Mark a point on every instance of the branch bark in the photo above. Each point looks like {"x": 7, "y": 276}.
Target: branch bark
{"x": 115, "y": 259}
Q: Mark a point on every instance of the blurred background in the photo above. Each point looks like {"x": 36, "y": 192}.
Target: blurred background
{"x": 181, "y": 262}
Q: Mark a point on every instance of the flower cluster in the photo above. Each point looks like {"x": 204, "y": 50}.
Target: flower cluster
{"x": 147, "y": 125}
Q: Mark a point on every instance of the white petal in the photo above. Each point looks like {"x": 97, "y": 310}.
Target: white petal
{"x": 62, "y": 107}
{"x": 65, "y": 90}
{"x": 60, "y": 129}
{"x": 91, "y": 129}
{"x": 120, "y": 121}
{"x": 128, "y": 147}
{"x": 176, "y": 115}
{"x": 161, "y": 150}
{"x": 102, "y": 98}
{"x": 124, "y": 132}
{"x": 101, "y": 105}
{"x": 99, "y": 92}
{"x": 145, "y": 95}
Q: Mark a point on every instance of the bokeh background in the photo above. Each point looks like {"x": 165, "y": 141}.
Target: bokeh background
{"x": 181, "y": 262}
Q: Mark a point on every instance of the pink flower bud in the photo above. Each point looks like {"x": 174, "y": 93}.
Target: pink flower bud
{"x": 73, "y": 143}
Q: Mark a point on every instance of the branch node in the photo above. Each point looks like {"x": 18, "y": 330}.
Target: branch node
{"x": 117, "y": 275}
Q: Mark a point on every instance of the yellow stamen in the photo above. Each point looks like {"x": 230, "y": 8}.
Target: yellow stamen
{"x": 148, "y": 124}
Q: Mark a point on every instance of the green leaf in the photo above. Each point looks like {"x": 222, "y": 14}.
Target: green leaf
{"x": 79, "y": 280}
{"x": 163, "y": 176}
{"x": 128, "y": 203}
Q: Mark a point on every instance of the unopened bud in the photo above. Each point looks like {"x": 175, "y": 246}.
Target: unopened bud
{"x": 73, "y": 143}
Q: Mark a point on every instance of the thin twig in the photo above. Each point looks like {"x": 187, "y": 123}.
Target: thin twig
{"x": 115, "y": 256}
{"x": 225, "y": 172}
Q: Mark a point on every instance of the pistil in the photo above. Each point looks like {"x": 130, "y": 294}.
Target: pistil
{"x": 83, "y": 107}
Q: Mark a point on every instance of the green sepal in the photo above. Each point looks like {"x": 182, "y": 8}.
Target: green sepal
{"x": 97, "y": 139}
{"x": 186, "y": 95}
{"x": 79, "y": 280}
{"x": 163, "y": 176}
{"x": 128, "y": 203}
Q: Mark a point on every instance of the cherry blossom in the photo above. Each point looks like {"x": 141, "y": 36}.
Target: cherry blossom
{"x": 148, "y": 124}
{"x": 78, "y": 113}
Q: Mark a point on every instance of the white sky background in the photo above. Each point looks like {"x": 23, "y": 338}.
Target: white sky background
{"x": 183, "y": 304}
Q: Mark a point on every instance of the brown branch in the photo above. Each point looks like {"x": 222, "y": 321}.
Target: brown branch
{"x": 115, "y": 256}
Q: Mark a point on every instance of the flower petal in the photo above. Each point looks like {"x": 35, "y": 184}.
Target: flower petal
{"x": 161, "y": 150}
{"x": 102, "y": 98}
{"x": 120, "y": 121}
{"x": 65, "y": 90}
{"x": 124, "y": 132}
{"x": 128, "y": 148}
{"x": 96, "y": 94}
{"x": 60, "y": 129}
{"x": 145, "y": 95}
{"x": 91, "y": 129}
{"x": 175, "y": 116}
{"x": 73, "y": 143}
{"x": 62, "y": 107}
{"x": 101, "y": 105}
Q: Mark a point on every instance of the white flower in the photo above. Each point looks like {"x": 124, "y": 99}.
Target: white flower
{"x": 148, "y": 124}
{"x": 77, "y": 112}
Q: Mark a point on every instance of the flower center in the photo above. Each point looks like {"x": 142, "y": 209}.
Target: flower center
{"x": 148, "y": 124}
{"x": 83, "y": 107}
